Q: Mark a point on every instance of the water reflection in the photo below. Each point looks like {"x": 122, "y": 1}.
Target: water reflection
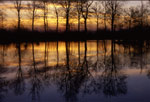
{"x": 74, "y": 70}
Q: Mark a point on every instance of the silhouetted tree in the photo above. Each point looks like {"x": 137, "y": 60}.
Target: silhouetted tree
{"x": 97, "y": 11}
{"x": 113, "y": 8}
{"x": 130, "y": 16}
{"x": 143, "y": 13}
{"x": 66, "y": 5}
{"x": 56, "y": 13}
{"x": 135, "y": 15}
{"x": 45, "y": 14}
{"x": 78, "y": 8}
{"x": 2, "y": 18}
{"x": 18, "y": 7}
{"x": 85, "y": 6}
{"x": 104, "y": 13}
{"x": 33, "y": 5}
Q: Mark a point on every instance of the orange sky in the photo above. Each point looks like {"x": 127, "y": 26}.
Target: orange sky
{"x": 11, "y": 18}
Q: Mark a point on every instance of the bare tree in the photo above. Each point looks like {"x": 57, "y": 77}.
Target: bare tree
{"x": 72, "y": 17}
{"x": 143, "y": 13}
{"x": 85, "y": 5}
{"x": 113, "y": 8}
{"x": 66, "y": 4}
{"x": 78, "y": 8}
{"x": 56, "y": 13}
{"x": 18, "y": 6}
{"x": 33, "y": 9}
{"x": 45, "y": 14}
{"x": 2, "y": 18}
{"x": 97, "y": 11}
{"x": 136, "y": 16}
{"x": 131, "y": 15}
{"x": 104, "y": 13}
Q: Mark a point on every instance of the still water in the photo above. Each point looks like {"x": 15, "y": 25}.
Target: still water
{"x": 82, "y": 71}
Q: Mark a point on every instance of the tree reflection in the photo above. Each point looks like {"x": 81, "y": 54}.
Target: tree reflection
{"x": 57, "y": 53}
{"x": 46, "y": 76}
{"x": 71, "y": 79}
{"x": 3, "y": 54}
{"x": 74, "y": 80}
{"x": 67, "y": 54}
{"x": 3, "y": 84}
{"x": 36, "y": 84}
{"x": 93, "y": 70}
{"x": 79, "y": 52}
{"x": 113, "y": 80}
{"x": 18, "y": 84}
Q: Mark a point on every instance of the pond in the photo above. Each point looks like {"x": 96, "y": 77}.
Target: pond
{"x": 75, "y": 71}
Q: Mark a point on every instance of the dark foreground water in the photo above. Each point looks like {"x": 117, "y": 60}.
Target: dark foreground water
{"x": 86, "y": 71}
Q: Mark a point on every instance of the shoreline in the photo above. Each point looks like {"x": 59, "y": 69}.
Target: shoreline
{"x": 29, "y": 36}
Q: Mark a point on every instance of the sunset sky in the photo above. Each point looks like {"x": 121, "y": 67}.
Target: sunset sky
{"x": 11, "y": 16}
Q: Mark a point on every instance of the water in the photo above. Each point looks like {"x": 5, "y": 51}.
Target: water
{"x": 82, "y": 71}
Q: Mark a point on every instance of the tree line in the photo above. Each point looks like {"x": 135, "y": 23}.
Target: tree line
{"x": 111, "y": 14}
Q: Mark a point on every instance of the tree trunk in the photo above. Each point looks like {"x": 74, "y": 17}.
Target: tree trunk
{"x": 97, "y": 23}
{"x": 57, "y": 23}
{"x": 2, "y": 22}
{"x": 18, "y": 19}
{"x": 85, "y": 24}
{"x": 33, "y": 14}
{"x": 105, "y": 21}
{"x": 78, "y": 22}
{"x": 33, "y": 20}
{"x": 67, "y": 55}
{"x": 112, "y": 23}
{"x": 67, "y": 20}
{"x": 129, "y": 24}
